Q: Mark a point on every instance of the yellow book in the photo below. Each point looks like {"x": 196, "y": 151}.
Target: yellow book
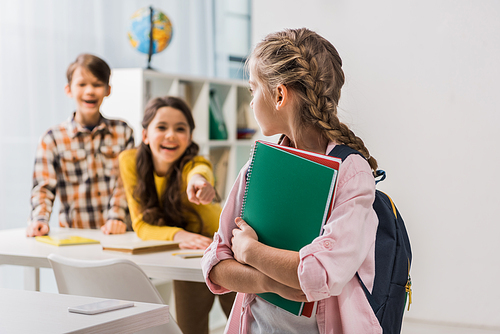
{"x": 66, "y": 240}
{"x": 193, "y": 254}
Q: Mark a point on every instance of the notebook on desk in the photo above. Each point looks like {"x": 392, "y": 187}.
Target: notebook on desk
{"x": 141, "y": 246}
{"x": 65, "y": 240}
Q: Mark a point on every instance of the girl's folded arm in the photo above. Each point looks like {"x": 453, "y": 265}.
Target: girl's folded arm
{"x": 235, "y": 276}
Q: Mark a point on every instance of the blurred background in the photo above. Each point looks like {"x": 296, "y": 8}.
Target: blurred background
{"x": 422, "y": 81}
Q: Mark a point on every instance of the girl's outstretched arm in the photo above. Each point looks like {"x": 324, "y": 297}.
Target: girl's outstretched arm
{"x": 199, "y": 190}
{"x": 235, "y": 276}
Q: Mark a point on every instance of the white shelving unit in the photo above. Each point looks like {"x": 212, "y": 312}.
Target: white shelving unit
{"x": 132, "y": 88}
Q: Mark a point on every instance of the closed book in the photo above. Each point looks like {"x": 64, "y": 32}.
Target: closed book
{"x": 217, "y": 124}
{"x": 65, "y": 240}
{"x": 190, "y": 254}
{"x": 288, "y": 197}
{"x": 140, "y": 247}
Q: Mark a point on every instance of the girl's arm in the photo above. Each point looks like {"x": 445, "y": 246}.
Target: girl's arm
{"x": 280, "y": 265}
{"x": 200, "y": 181}
{"x": 190, "y": 240}
{"x": 235, "y": 276}
{"x": 199, "y": 190}
{"x": 144, "y": 230}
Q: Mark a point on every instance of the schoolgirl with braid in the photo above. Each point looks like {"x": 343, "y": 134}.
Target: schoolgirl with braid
{"x": 296, "y": 77}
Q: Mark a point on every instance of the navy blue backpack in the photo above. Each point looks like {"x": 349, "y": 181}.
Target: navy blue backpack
{"x": 392, "y": 283}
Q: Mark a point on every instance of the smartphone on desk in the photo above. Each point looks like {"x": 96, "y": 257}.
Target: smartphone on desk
{"x": 100, "y": 307}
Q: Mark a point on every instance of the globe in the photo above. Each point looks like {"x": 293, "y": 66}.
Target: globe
{"x": 140, "y": 30}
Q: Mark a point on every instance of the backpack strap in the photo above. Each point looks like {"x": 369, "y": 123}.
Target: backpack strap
{"x": 343, "y": 151}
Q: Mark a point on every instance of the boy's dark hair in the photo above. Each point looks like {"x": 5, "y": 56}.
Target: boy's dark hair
{"x": 95, "y": 65}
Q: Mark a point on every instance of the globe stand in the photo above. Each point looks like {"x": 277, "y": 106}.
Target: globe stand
{"x": 150, "y": 53}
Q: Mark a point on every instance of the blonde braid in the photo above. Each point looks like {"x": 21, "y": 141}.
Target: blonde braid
{"x": 310, "y": 65}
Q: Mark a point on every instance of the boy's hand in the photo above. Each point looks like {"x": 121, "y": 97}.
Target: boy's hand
{"x": 189, "y": 240}
{"x": 37, "y": 228}
{"x": 199, "y": 190}
{"x": 114, "y": 226}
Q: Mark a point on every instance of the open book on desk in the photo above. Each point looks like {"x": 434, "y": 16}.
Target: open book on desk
{"x": 141, "y": 246}
{"x": 288, "y": 197}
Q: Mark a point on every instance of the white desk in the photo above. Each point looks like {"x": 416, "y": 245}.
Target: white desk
{"x": 36, "y": 312}
{"x": 17, "y": 249}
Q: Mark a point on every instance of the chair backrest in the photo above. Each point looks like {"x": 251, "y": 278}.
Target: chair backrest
{"x": 113, "y": 278}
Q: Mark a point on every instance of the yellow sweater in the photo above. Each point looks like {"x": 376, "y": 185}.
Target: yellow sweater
{"x": 210, "y": 213}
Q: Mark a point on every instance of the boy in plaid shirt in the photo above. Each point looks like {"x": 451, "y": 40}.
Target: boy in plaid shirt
{"x": 78, "y": 159}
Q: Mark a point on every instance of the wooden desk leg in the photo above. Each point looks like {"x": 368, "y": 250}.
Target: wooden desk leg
{"x": 31, "y": 279}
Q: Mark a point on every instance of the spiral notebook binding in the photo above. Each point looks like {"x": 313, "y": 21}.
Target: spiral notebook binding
{"x": 249, "y": 173}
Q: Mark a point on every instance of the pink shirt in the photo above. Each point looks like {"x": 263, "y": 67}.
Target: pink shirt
{"x": 328, "y": 266}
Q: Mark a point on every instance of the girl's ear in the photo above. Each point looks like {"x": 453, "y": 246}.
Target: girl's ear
{"x": 281, "y": 96}
{"x": 67, "y": 90}
{"x": 108, "y": 91}
{"x": 145, "y": 136}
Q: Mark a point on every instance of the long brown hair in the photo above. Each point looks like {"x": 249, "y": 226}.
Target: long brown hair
{"x": 308, "y": 64}
{"x": 171, "y": 211}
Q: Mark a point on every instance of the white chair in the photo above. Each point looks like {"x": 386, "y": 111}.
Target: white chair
{"x": 113, "y": 278}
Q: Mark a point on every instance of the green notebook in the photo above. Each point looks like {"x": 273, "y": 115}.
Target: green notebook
{"x": 288, "y": 197}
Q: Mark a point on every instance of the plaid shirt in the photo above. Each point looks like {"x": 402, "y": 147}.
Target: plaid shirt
{"x": 82, "y": 167}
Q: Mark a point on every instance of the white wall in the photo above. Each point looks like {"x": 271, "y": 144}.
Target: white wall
{"x": 422, "y": 91}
